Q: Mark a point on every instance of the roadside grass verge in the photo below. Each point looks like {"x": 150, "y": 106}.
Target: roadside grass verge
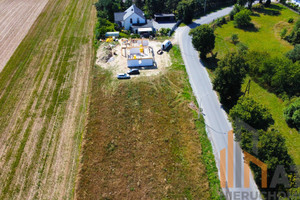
{"x": 207, "y": 155}
{"x": 142, "y": 139}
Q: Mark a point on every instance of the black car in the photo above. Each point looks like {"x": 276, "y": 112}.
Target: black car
{"x": 123, "y": 76}
{"x": 133, "y": 71}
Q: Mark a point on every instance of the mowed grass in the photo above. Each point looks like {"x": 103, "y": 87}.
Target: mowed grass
{"x": 43, "y": 103}
{"x": 142, "y": 141}
{"x": 265, "y": 38}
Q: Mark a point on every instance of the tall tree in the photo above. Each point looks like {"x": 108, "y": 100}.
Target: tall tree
{"x": 230, "y": 74}
{"x": 203, "y": 39}
{"x": 185, "y": 10}
{"x": 171, "y": 5}
{"x": 250, "y": 2}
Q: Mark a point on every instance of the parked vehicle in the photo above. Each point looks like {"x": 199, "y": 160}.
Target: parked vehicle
{"x": 123, "y": 76}
{"x": 166, "y": 45}
{"x": 133, "y": 72}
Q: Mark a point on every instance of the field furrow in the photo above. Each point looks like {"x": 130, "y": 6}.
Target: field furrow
{"x": 44, "y": 91}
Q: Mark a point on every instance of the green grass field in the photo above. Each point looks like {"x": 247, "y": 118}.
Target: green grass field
{"x": 266, "y": 38}
{"x": 43, "y": 103}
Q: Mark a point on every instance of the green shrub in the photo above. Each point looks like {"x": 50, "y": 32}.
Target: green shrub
{"x": 234, "y": 38}
{"x": 280, "y": 75}
{"x": 164, "y": 31}
{"x": 292, "y": 114}
{"x": 252, "y": 113}
{"x": 135, "y": 36}
{"x": 290, "y": 20}
{"x": 283, "y": 33}
{"x": 103, "y": 26}
{"x": 242, "y": 48}
{"x": 237, "y": 8}
{"x": 294, "y": 54}
{"x": 294, "y": 36}
{"x": 242, "y": 18}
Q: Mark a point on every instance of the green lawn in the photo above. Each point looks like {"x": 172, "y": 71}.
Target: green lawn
{"x": 265, "y": 38}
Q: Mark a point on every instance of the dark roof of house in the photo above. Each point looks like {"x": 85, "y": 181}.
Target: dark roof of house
{"x": 133, "y": 9}
{"x": 164, "y": 15}
{"x": 149, "y": 24}
{"x": 119, "y": 16}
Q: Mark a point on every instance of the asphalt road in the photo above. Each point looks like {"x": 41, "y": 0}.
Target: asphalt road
{"x": 217, "y": 123}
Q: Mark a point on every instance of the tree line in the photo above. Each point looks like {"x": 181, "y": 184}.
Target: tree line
{"x": 183, "y": 9}
{"x": 280, "y": 75}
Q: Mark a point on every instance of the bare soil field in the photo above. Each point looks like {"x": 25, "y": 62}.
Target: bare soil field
{"x": 119, "y": 62}
{"x": 43, "y": 102}
{"x": 16, "y": 18}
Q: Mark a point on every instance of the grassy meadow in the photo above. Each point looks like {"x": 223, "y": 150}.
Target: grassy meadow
{"x": 266, "y": 36}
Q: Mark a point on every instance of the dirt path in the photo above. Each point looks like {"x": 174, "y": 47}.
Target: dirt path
{"x": 43, "y": 101}
{"x": 16, "y": 18}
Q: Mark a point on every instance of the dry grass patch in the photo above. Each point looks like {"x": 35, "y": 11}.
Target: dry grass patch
{"x": 141, "y": 141}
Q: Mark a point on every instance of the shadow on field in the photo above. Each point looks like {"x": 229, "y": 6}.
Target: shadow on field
{"x": 273, "y": 10}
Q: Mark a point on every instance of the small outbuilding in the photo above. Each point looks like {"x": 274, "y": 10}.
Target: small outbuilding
{"x": 112, "y": 34}
{"x": 143, "y": 31}
{"x": 164, "y": 17}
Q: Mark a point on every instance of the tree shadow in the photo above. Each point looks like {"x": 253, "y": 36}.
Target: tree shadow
{"x": 210, "y": 62}
{"x": 250, "y": 28}
{"x": 272, "y": 10}
{"x": 255, "y": 14}
{"x": 193, "y": 25}
{"x": 275, "y": 7}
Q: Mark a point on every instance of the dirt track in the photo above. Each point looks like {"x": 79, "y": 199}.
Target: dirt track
{"x": 16, "y": 18}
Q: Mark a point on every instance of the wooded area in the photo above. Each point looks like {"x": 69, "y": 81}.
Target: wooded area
{"x": 183, "y": 9}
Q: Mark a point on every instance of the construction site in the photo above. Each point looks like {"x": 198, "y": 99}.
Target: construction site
{"x": 124, "y": 54}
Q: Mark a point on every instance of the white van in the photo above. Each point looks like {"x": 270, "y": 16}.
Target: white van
{"x": 166, "y": 44}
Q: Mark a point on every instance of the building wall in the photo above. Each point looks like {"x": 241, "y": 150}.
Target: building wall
{"x": 140, "y": 63}
{"x": 134, "y": 18}
{"x": 134, "y": 50}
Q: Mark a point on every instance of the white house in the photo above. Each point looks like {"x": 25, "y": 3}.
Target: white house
{"x": 132, "y": 19}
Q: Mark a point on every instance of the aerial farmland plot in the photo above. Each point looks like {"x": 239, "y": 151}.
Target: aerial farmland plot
{"x": 46, "y": 52}
{"x": 16, "y": 19}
